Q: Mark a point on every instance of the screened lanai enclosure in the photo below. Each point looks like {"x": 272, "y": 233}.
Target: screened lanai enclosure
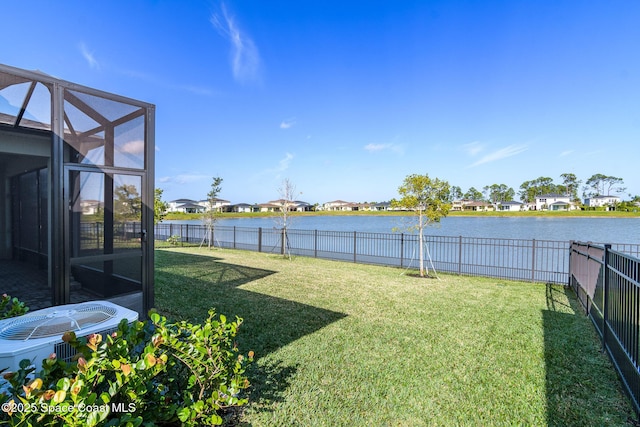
{"x": 76, "y": 193}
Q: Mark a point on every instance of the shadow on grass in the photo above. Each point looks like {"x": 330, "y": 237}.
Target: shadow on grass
{"x": 187, "y": 286}
{"x": 581, "y": 385}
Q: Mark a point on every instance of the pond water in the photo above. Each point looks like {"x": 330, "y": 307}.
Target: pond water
{"x": 597, "y": 229}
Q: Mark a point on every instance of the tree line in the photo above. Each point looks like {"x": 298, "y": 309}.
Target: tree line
{"x": 597, "y": 185}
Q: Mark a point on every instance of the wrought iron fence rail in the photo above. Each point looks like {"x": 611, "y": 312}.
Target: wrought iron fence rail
{"x": 516, "y": 259}
{"x": 607, "y": 283}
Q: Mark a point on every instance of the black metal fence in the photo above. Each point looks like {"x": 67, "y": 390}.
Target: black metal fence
{"x": 544, "y": 261}
{"x": 604, "y": 277}
{"x": 607, "y": 284}
{"x": 92, "y": 234}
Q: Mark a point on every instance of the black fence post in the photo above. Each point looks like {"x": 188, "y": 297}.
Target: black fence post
{"x": 260, "y": 239}
{"x": 605, "y": 313}
{"x": 355, "y": 245}
{"x": 569, "y": 263}
{"x": 234, "y": 237}
{"x": 533, "y": 260}
{"x": 315, "y": 243}
{"x": 459, "y": 254}
{"x": 401, "y": 249}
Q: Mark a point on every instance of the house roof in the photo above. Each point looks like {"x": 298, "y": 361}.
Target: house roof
{"x": 543, "y": 196}
{"x": 510, "y": 202}
{"x": 282, "y": 202}
{"x": 215, "y": 199}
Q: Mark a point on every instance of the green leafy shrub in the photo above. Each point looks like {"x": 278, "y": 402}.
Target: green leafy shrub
{"x": 11, "y": 307}
{"x": 147, "y": 373}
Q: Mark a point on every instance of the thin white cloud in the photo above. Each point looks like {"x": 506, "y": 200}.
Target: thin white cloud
{"x": 376, "y": 147}
{"x": 184, "y": 178}
{"x": 566, "y": 153}
{"x": 473, "y": 148}
{"x": 288, "y": 123}
{"x": 150, "y": 78}
{"x": 245, "y": 59}
{"x": 88, "y": 56}
{"x": 503, "y": 153}
{"x": 373, "y": 148}
{"x": 284, "y": 163}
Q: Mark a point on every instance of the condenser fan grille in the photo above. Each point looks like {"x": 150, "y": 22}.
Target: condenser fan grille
{"x": 57, "y": 320}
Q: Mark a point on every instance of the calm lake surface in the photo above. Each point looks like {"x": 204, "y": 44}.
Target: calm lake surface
{"x": 601, "y": 230}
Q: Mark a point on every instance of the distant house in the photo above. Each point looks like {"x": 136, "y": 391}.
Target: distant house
{"x": 560, "y": 206}
{"x": 555, "y": 202}
{"x": 341, "y": 205}
{"x": 456, "y": 205}
{"x": 292, "y": 206}
{"x": 175, "y": 205}
{"x": 217, "y": 204}
{"x": 185, "y": 206}
{"x": 477, "y": 206}
{"x": 301, "y": 206}
{"x": 240, "y": 207}
{"x": 510, "y": 206}
{"x": 382, "y": 206}
{"x": 599, "y": 201}
{"x": 191, "y": 208}
{"x": 268, "y": 207}
{"x": 91, "y": 207}
{"x": 470, "y": 205}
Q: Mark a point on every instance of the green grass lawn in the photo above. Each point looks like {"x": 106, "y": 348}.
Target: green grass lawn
{"x": 350, "y": 344}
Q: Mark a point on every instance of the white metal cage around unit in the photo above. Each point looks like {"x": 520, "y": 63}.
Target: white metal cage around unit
{"x": 34, "y": 336}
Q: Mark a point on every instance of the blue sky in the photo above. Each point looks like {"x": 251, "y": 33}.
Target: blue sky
{"x": 346, "y": 98}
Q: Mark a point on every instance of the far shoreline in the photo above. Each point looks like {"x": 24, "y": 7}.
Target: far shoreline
{"x": 176, "y": 216}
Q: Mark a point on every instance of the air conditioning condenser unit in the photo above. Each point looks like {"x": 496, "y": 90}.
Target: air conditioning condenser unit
{"x": 36, "y": 335}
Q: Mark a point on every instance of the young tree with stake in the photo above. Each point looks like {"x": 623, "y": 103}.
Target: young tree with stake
{"x": 211, "y": 213}
{"x": 287, "y": 192}
{"x": 429, "y": 199}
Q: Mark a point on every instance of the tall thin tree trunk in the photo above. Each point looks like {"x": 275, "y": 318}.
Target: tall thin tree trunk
{"x": 420, "y": 242}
